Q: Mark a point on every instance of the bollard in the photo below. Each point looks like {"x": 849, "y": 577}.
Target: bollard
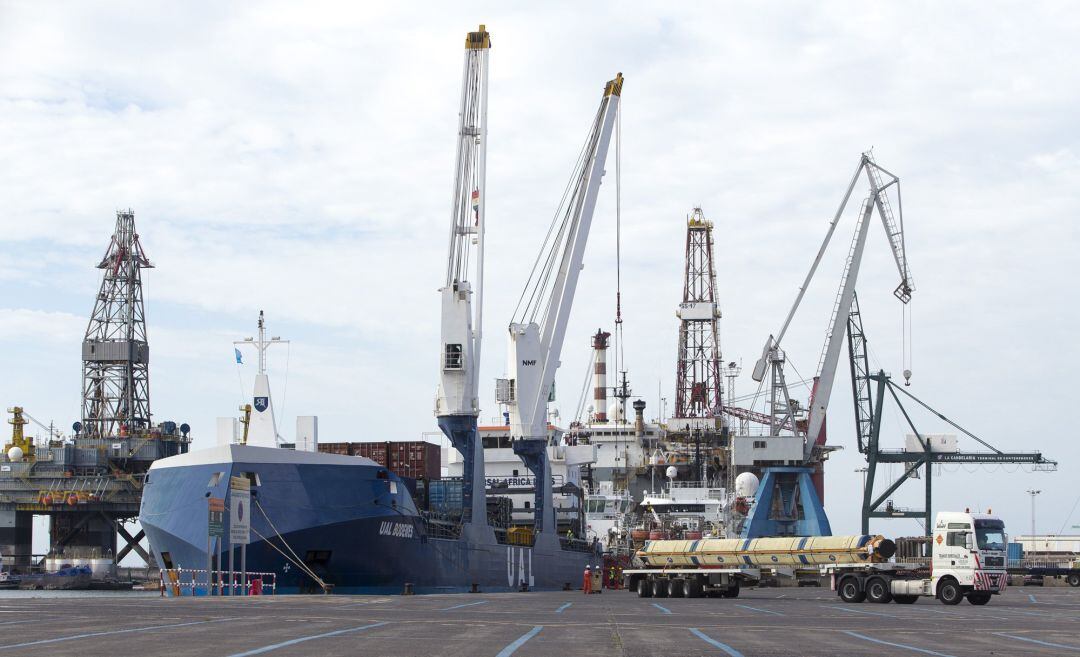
{"x": 475, "y": 588}
{"x": 408, "y": 589}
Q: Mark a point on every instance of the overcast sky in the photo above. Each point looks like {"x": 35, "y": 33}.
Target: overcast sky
{"x": 297, "y": 158}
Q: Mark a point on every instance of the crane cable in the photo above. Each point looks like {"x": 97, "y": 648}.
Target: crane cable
{"x": 620, "y": 357}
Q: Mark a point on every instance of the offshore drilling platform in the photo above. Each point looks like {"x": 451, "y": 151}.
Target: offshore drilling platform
{"x": 90, "y": 482}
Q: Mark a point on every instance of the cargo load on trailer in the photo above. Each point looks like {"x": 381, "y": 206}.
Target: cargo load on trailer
{"x": 967, "y": 560}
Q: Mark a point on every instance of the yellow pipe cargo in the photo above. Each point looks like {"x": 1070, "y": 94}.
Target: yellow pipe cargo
{"x": 764, "y": 552}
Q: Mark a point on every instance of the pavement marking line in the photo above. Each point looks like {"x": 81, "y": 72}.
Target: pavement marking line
{"x": 663, "y": 609}
{"x": 557, "y": 611}
{"x": 110, "y": 632}
{"x": 467, "y": 604}
{"x": 1032, "y": 598}
{"x": 895, "y": 645}
{"x": 1041, "y": 643}
{"x": 764, "y": 611}
{"x": 713, "y": 642}
{"x": 509, "y": 650}
{"x": 858, "y": 611}
{"x": 293, "y": 642}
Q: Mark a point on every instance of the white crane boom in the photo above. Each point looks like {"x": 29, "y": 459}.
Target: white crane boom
{"x": 536, "y": 335}
{"x": 461, "y": 313}
{"x": 826, "y": 372}
{"x": 830, "y": 355}
{"x": 534, "y": 348}
{"x": 457, "y": 403}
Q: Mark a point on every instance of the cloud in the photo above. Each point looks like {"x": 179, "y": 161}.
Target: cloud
{"x": 298, "y": 160}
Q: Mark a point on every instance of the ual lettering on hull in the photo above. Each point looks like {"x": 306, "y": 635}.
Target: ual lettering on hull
{"x": 396, "y": 529}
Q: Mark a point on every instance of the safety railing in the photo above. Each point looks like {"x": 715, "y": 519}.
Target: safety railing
{"x": 178, "y": 582}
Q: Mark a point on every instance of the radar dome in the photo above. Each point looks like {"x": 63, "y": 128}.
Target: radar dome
{"x": 671, "y": 472}
{"x": 746, "y": 484}
{"x": 15, "y": 454}
{"x": 615, "y": 412}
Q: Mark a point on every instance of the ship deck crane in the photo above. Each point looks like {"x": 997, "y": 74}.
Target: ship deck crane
{"x": 457, "y": 401}
{"x": 794, "y": 484}
{"x": 540, "y": 320}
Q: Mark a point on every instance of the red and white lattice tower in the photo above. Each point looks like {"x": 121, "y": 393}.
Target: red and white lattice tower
{"x": 697, "y": 377}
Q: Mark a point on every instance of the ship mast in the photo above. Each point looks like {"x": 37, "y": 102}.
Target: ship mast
{"x": 261, "y": 428}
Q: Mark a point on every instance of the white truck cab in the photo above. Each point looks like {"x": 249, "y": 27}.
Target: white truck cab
{"x": 967, "y": 560}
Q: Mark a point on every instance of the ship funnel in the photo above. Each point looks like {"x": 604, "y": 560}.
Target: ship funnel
{"x": 639, "y": 418}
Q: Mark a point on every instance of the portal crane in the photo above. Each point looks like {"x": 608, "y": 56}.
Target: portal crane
{"x": 772, "y": 355}
{"x": 539, "y": 326}
{"x": 794, "y": 484}
{"x": 457, "y": 402}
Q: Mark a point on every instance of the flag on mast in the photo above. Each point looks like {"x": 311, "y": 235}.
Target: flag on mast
{"x": 476, "y": 204}
{"x": 239, "y": 356}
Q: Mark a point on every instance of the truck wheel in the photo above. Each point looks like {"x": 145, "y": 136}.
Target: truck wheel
{"x": 949, "y": 593}
{"x": 659, "y": 588}
{"x": 692, "y": 588}
{"x": 732, "y": 591}
{"x": 978, "y": 598}
{"x": 905, "y": 599}
{"x": 850, "y": 591}
{"x": 877, "y": 590}
{"x": 1073, "y": 580}
{"x": 644, "y": 588}
{"x": 675, "y": 588}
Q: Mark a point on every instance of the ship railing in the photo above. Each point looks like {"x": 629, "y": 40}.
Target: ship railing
{"x": 179, "y": 582}
{"x": 579, "y": 545}
{"x": 438, "y": 527}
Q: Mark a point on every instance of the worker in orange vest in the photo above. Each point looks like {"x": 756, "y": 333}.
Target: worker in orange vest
{"x": 586, "y": 586}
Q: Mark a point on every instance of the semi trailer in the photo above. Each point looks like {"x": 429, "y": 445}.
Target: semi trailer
{"x": 967, "y": 561}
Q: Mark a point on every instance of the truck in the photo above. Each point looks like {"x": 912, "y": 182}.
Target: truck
{"x": 1071, "y": 573}
{"x": 967, "y": 561}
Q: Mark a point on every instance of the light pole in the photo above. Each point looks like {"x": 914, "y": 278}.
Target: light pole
{"x": 863, "y": 471}
{"x": 1032, "y": 492}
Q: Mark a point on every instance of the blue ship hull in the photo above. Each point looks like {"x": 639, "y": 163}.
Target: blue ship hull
{"x": 346, "y": 518}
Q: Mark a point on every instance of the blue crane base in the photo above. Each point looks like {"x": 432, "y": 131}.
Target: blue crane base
{"x": 786, "y": 504}
{"x": 461, "y": 431}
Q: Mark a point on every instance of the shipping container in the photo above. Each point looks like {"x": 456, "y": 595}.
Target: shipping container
{"x": 414, "y": 459}
{"x": 1015, "y": 553}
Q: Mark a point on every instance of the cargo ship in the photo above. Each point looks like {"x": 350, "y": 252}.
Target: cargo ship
{"x": 346, "y": 523}
{"x": 323, "y": 521}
